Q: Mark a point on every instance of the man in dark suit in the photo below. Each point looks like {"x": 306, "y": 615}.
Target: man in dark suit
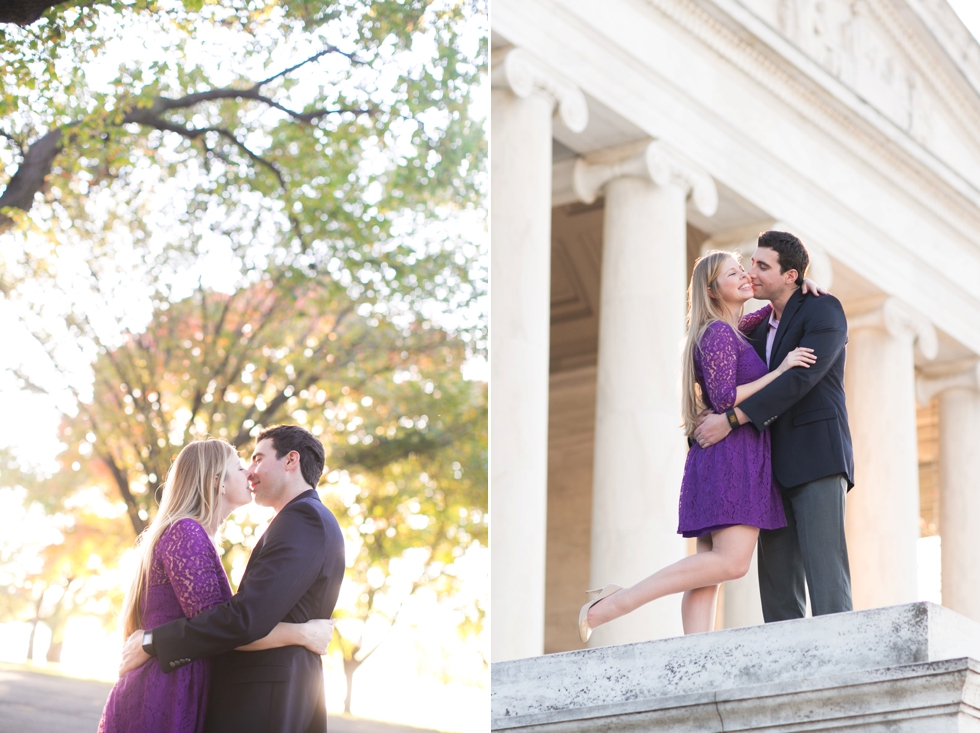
{"x": 806, "y": 415}
{"x": 294, "y": 575}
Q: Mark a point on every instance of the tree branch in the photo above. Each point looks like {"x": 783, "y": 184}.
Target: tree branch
{"x": 329, "y": 49}
{"x": 16, "y": 142}
{"x": 29, "y": 384}
{"x": 25, "y": 12}
{"x": 416, "y": 584}
{"x": 38, "y": 161}
{"x": 151, "y": 115}
{"x": 122, "y": 483}
{"x": 29, "y": 178}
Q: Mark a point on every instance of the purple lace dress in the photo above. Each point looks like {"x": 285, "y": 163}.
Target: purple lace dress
{"x": 186, "y": 578}
{"x": 731, "y": 482}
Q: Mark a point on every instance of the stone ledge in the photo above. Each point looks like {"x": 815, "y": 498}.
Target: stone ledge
{"x": 902, "y": 668}
{"x": 929, "y": 697}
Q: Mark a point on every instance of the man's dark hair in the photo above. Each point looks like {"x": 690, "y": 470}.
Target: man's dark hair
{"x": 790, "y": 252}
{"x": 287, "y": 438}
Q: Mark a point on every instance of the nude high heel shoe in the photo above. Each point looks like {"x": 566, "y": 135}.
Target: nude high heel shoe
{"x": 584, "y": 630}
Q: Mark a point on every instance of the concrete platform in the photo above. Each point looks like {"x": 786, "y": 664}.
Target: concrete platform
{"x": 903, "y": 668}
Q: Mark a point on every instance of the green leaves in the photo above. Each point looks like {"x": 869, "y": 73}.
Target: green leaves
{"x": 405, "y": 434}
{"x": 260, "y": 212}
{"x": 334, "y": 121}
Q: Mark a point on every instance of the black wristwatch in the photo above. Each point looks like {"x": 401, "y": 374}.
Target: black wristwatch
{"x": 148, "y": 643}
{"x": 732, "y": 418}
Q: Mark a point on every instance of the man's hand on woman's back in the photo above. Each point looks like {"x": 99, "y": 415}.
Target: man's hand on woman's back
{"x": 133, "y": 655}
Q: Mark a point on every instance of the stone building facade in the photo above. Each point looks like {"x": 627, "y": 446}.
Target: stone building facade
{"x": 630, "y": 136}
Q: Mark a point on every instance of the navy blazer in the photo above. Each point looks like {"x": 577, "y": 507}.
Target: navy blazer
{"x": 804, "y": 409}
{"x": 293, "y": 574}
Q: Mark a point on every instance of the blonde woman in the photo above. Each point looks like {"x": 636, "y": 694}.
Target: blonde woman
{"x": 179, "y": 576}
{"x": 727, "y": 493}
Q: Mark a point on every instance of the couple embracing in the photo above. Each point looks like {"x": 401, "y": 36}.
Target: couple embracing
{"x": 770, "y": 461}
{"x": 201, "y": 659}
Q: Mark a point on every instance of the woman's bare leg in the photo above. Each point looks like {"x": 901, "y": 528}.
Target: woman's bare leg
{"x": 698, "y": 609}
{"x": 728, "y": 558}
{"x": 698, "y": 604}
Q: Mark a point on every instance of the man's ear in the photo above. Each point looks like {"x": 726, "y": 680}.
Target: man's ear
{"x": 790, "y": 276}
{"x": 292, "y": 460}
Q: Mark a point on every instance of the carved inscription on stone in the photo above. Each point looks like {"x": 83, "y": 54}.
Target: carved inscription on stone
{"x": 847, "y": 39}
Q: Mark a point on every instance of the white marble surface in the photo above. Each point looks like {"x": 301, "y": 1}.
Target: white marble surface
{"x": 935, "y": 697}
{"x": 959, "y": 499}
{"x": 733, "y": 92}
{"x": 882, "y": 513}
{"x": 787, "y": 131}
{"x": 521, "y": 125}
{"x": 639, "y": 452}
{"x": 741, "y": 604}
{"x": 869, "y": 668}
{"x": 958, "y": 388}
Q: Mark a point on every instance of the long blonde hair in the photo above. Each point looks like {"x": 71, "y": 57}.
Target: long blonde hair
{"x": 702, "y": 311}
{"x": 194, "y": 483}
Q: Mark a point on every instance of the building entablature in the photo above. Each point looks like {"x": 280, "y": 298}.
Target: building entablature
{"x": 771, "y": 100}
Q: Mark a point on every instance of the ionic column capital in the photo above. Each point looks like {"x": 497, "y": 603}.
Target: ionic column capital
{"x": 962, "y": 374}
{"x": 519, "y": 71}
{"x": 899, "y": 320}
{"x": 655, "y": 162}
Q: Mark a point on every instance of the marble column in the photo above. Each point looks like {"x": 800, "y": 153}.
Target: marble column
{"x": 958, "y": 387}
{"x": 525, "y": 97}
{"x": 741, "y": 604}
{"x": 639, "y": 447}
{"x": 882, "y": 521}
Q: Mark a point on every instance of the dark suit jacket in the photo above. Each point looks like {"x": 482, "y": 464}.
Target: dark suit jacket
{"x": 294, "y": 575}
{"x": 804, "y": 409}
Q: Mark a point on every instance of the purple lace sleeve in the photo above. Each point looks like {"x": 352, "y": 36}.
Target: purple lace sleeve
{"x": 189, "y": 559}
{"x": 751, "y": 321}
{"x": 719, "y": 363}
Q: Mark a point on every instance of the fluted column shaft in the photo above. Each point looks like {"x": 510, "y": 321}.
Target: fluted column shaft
{"x": 524, "y": 98}
{"x": 882, "y": 517}
{"x": 959, "y": 499}
{"x": 639, "y": 449}
{"x": 959, "y": 495}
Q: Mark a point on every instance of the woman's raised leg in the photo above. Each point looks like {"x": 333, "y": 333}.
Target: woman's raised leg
{"x": 728, "y": 558}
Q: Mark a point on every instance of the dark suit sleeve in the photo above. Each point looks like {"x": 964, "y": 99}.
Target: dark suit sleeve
{"x": 824, "y": 331}
{"x": 289, "y": 563}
